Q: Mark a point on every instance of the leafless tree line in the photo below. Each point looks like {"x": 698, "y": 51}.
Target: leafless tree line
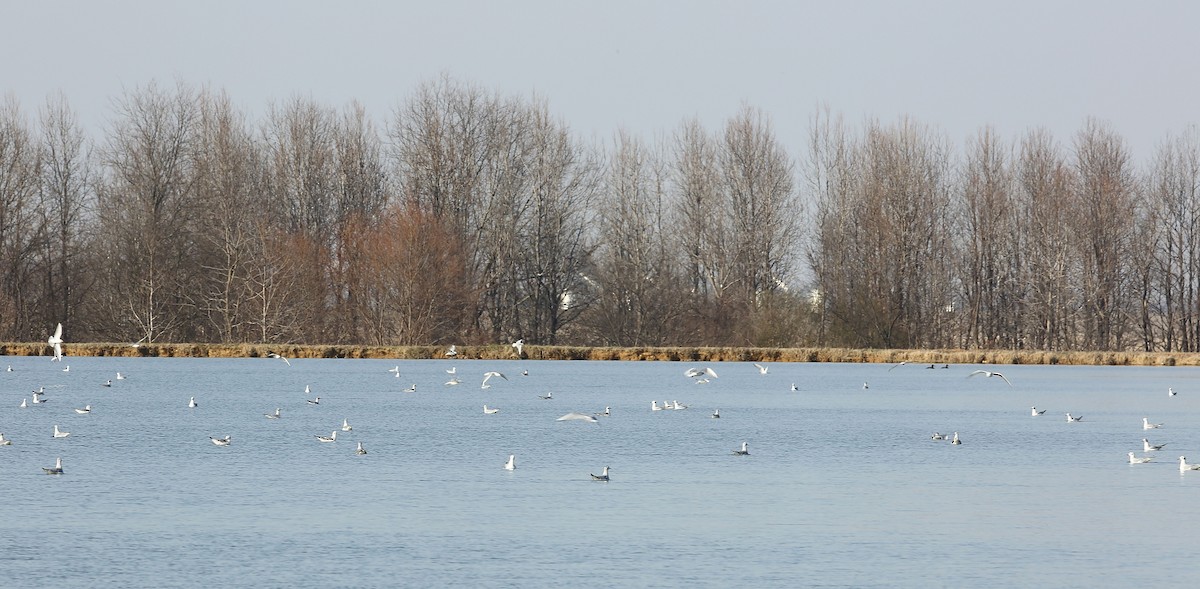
{"x": 1031, "y": 245}
{"x": 471, "y": 217}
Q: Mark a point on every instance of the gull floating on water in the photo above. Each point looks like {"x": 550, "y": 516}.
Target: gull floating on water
{"x": 547, "y": 396}
{"x": 761, "y": 369}
{"x": 865, "y": 386}
{"x": 989, "y": 373}
{"x": 274, "y": 355}
{"x": 23, "y": 405}
{"x": 108, "y": 383}
{"x": 572, "y": 416}
{"x": 607, "y": 412}
{"x": 330, "y": 438}
{"x": 1147, "y": 425}
{"x": 360, "y": 450}
{"x": 1135, "y": 460}
{"x": 57, "y": 469}
{"x": 1171, "y": 392}
{"x": 956, "y": 441}
{"x": 600, "y": 477}
{"x": 488, "y": 376}
{"x": 86, "y": 409}
{"x": 346, "y": 425}
{"x": 654, "y": 406}
{"x": 675, "y": 405}
{"x": 120, "y": 376}
{"x": 4, "y": 441}
{"x": 221, "y": 441}
{"x": 10, "y": 368}
{"x": 512, "y": 462}
{"x": 453, "y": 382}
{"x": 794, "y": 387}
{"x": 56, "y": 341}
{"x": 490, "y": 410}
{"x": 452, "y": 352}
{"x": 937, "y": 436}
{"x": 452, "y": 370}
{"x": 716, "y": 414}
{"x": 314, "y": 401}
{"x": 1033, "y": 411}
{"x": 1148, "y": 447}
{"x": 67, "y": 368}
{"x": 744, "y": 451}
{"x": 192, "y": 403}
{"x": 274, "y": 415}
{"x": 1184, "y": 466}
{"x": 411, "y": 389}
{"x": 1072, "y": 419}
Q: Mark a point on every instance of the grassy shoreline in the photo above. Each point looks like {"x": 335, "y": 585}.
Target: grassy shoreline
{"x": 669, "y": 354}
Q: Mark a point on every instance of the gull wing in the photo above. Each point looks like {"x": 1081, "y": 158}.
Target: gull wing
{"x": 577, "y": 416}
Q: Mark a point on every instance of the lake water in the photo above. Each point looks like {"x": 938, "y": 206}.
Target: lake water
{"x": 843, "y": 486}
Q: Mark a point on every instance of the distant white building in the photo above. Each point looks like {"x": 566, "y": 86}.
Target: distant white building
{"x": 815, "y": 299}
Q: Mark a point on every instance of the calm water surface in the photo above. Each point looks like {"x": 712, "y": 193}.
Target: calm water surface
{"x": 843, "y": 486}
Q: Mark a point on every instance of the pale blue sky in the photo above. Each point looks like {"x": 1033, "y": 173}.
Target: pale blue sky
{"x": 644, "y": 66}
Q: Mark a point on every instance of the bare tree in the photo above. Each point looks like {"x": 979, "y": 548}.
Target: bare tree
{"x": 992, "y": 252}
{"x": 146, "y": 212}
{"x": 636, "y": 270}
{"x": 442, "y": 143}
{"x": 1104, "y": 218}
{"x": 758, "y": 184}
{"x": 705, "y": 234}
{"x": 557, "y": 244}
{"x": 909, "y": 168}
{"x": 230, "y": 174}
{"x": 303, "y": 196}
{"x": 360, "y": 198}
{"x": 515, "y": 186}
{"x": 21, "y": 228}
{"x": 411, "y": 289}
{"x": 1174, "y": 191}
{"x": 1043, "y": 191}
{"x": 65, "y": 194}
{"x": 458, "y": 155}
{"x": 833, "y": 178}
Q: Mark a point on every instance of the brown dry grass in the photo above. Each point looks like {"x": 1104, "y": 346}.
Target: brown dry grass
{"x": 670, "y": 354}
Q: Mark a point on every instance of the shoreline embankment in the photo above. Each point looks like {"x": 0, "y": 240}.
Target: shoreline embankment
{"x": 664, "y": 353}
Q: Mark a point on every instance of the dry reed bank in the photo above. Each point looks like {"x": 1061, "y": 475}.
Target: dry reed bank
{"x": 670, "y": 354}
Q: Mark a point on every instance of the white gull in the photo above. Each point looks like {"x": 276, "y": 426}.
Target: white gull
{"x": 1135, "y": 460}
